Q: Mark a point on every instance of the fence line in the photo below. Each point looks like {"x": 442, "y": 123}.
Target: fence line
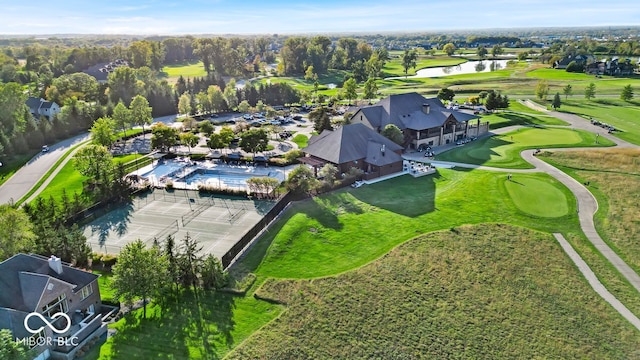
{"x": 169, "y": 230}
{"x": 235, "y": 216}
{"x": 237, "y": 248}
{"x": 186, "y": 218}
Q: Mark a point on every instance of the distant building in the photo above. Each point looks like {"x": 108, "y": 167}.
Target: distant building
{"x": 423, "y": 121}
{"x": 41, "y": 107}
{"x": 579, "y": 59}
{"x": 101, "y": 71}
{"x": 34, "y": 288}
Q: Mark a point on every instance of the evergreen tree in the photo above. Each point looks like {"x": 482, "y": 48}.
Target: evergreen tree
{"x": 556, "y": 101}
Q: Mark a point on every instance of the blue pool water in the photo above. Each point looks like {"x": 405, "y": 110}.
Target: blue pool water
{"x": 165, "y": 169}
{"x": 221, "y": 178}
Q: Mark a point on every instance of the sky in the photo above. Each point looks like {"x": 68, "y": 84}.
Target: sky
{"x": 171, "y": 17}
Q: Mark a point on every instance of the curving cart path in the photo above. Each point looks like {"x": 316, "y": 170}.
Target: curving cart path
{"x": 587, "y": 207}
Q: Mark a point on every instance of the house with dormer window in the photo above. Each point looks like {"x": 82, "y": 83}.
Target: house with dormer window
{"x": 34, "y": 293}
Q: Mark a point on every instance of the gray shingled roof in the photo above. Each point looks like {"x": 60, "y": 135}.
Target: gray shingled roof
{"x": 375, "y": 155}
{"x": 405, "y": 111}
{"x": 347, "y": 143}
{"x": 33, "y": 103}
{"x": 24, "y": 277}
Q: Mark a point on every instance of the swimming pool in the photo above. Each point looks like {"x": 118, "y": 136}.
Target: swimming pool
{"x": 222, "y": 178}
{"x": 166, "y": 168}
{"x": 189, "y": 175}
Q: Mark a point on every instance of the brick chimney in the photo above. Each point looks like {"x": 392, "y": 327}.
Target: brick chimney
{"x": 55, "y": 264}
{"x": 425, "y": 108}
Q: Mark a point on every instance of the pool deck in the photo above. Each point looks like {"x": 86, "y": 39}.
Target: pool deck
{"x": 230, "y": 176}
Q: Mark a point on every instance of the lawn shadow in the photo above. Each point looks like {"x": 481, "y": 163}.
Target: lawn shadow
{"x": 321, "y": 209}
{"x": 517, "y": 119}
{"x": 181, "y": 329}
{"x": 404, "y": 195}
{"x": 478, "y": 152}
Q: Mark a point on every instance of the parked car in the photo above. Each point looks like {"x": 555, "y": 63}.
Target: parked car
{"x": 45, "y": 148}
{"x": 247, "y": 117}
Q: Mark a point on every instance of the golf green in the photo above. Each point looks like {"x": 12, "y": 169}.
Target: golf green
{"x": 536, "y": 197}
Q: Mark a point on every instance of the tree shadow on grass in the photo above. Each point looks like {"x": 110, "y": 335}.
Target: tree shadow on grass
{"x": 403, "y": 195}
{"x": 180, "y": 330}
{"x": 321, "y": 210}
{"x": 477, "y": 153}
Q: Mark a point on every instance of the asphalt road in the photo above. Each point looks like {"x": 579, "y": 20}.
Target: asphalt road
{"x": 27, "y": 177}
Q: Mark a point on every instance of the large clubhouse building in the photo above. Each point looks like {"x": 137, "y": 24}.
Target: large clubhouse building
{"x": 423, "y": 122}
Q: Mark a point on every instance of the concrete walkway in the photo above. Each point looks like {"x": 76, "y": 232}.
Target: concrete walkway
{"x": 595, "y": 283}
{"x": 587, "y": 207}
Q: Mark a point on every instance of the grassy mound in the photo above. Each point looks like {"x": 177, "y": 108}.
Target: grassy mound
{"x": 503, "y": 151}
{"x": 345, "y": 229}
{"x": 537, "y": 197}
{"x": 484, "y": 292}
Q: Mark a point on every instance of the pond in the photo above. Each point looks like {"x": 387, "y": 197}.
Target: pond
{"x": 469, "y": 67}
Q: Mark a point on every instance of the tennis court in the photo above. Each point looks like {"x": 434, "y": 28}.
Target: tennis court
{"x": 215, "y": 222}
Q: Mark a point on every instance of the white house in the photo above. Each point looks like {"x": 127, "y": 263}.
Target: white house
{"x": 41, "y": 107}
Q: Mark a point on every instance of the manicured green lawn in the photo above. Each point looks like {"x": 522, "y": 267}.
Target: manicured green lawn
{"x": 504, "y": 150}
{"x": 300, "y": 140}
{"x": 512, "y": 117}
{"x": 195, "y": 329}
{"x": 187, "y": 70}
{"x": 536, "y": 196}
{"x": 487, "y": 291}
{"x": 104, "y": 281}
{"x": 349, "y": 228}
{"x": 622, "y": 115}
{"x": 69, "y": 180}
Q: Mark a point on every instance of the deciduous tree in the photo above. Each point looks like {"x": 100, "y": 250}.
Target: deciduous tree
{"x": 163, "y": 137}
{"x": 189, "y": 139}
{"x": 590, "y": 91}
{"x": 393, "y": 133}
{"x": 11, "y": 349}
{"x": 184, "y": 104}
{"x": 140, "y": 111}
{"x": 301, "y": 180}
{"x": 254, "y": 140}
{"x": 139, "y": 273}
{"x": 370, "y": 89}
{"x": 122, "y": 117}
{"x": 567, "y": 91}
{"x": 449, "y": 49}
{"x": 542, "y": 89}
{"x": 446, "y": 94}
{"x": 16, "y": 232}
{"x": 103, "y": 132}
{"x": 409, "y": 59}
{"x": 350, "y": 89}
{"x": 627, "y": 93}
